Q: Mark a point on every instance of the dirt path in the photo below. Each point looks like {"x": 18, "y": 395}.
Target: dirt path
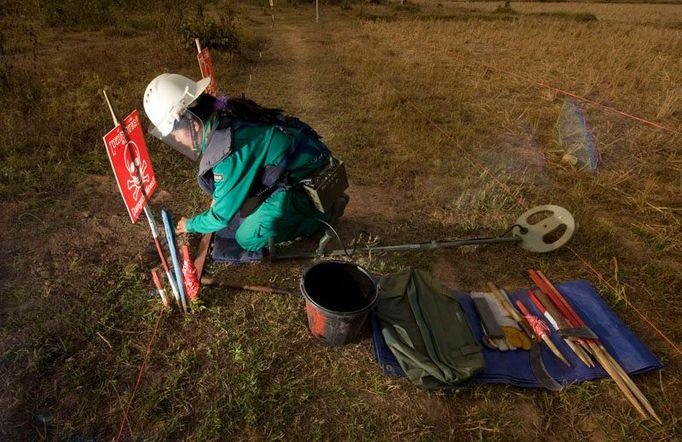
{"x": 299, "y": 49}
{"x": 294, "y": 43}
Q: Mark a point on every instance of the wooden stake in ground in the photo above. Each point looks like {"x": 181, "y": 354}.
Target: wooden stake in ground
{"x": 272, "y": 11}
{"x": 250, "y": 288}
{"x": 159, "y": 288}
{"x": 206, "y": 68}
{"x": 202, "y": 252}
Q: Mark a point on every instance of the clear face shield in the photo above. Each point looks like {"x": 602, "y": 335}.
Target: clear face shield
{"x": 186, "y": 136}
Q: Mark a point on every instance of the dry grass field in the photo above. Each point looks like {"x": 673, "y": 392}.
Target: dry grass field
{"x": 437, "y": 110}
{"x": 640, "y": 13}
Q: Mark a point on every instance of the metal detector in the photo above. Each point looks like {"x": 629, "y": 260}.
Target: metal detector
{"x": 541, "y": 229}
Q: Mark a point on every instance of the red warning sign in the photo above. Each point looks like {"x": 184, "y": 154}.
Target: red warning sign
{"x": 206, "y": 67}
{"x": 132, "y": 167}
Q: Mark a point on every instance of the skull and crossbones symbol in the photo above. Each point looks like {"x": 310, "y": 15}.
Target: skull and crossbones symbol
{"x": 136, "y": 169}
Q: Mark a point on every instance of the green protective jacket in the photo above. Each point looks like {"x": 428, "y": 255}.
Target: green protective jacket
{"x": 286, "y": 214}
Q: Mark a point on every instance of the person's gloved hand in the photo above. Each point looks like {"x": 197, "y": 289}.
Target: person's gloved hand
{"x": 182, "y": 226}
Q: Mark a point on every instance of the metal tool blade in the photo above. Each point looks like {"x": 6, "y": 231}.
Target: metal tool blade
{"x": 578, "y": 332}
{"x": 540, "y": 371}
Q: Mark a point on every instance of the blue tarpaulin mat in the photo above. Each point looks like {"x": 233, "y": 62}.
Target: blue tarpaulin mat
{"x": 513, "y": 367}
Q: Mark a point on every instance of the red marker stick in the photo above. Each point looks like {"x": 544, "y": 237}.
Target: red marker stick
{"x": 189, "y": 275}
{"x": 159, "y": 287}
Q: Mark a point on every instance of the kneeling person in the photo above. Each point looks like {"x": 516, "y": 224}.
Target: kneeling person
{"x": 250, "y": 160}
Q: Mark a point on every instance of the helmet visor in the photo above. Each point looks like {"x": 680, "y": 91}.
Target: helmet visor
{"x": 186, "y": 136}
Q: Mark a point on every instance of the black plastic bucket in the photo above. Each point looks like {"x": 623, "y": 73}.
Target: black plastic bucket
{"x": 338, "y": 296}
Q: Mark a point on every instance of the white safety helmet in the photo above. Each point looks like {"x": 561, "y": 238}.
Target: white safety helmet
{"x": 168, "y": 96}
{"x": 166, "y": 102}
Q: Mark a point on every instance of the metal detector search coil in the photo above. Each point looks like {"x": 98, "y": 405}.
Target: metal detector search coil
{"x": 545, "y": 228}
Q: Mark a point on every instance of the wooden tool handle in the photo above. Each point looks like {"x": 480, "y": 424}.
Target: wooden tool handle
{"x": 202, "y": 252}
{"x": 507, "y": 305}
{"x": 251, "y": 288}
{"x": 504, "y": 302}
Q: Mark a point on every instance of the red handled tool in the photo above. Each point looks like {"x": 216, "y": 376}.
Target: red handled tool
{"x": 633, "y": 394}
{"x": 189, "y": 275}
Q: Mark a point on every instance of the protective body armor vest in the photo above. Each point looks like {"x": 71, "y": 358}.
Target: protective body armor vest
{"x": 274, "y": 177}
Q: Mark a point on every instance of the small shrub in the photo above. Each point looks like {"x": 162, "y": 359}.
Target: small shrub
{"x": 218, "y": 34}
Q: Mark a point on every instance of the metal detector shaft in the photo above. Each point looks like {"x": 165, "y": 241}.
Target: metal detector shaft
{"x": 407, "y": 247}
{"x": 437, "y": 244}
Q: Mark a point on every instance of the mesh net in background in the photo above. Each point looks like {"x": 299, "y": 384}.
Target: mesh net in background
{"x": 576, "y": 139}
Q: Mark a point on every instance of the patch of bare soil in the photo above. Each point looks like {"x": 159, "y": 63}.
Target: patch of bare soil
{"x": 373, "y": 202}
{"x": 93, "y": 220}
{"x": 446, "y": 272}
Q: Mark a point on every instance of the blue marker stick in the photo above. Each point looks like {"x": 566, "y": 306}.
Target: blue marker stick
{"x": 170, "y": 237}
